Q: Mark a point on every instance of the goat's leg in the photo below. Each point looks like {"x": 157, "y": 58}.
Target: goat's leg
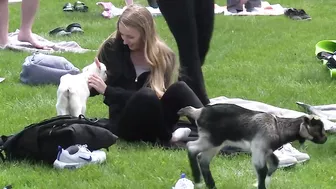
{"x": 273, "y": 163}
{"x": 75, "y": 105}
{"x": 62, "y": 109}
{"x": 83, "y": 110}
{"x": 62, "y": 106}
{"x": 205, "y": 159}
{"x": 190, "y": 112}
{"x": 259, "y": 162}
{"x": 194, "y": 149}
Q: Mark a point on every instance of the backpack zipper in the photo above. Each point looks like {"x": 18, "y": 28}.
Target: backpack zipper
{"x": 51, "y": 130}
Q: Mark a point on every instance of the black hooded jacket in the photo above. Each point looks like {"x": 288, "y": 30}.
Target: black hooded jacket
{"x": 122, "y": 81}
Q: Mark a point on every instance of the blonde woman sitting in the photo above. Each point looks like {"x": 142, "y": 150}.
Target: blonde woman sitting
{"x": 141, "y": 89}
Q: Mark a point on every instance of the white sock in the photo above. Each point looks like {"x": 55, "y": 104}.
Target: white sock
{"x": 180, "y": 134}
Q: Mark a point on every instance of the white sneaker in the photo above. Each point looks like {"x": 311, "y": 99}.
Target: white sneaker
{"x": 76, "y": 156}
{"x": 284, "y": 159}
{"x": 289, "y": 150}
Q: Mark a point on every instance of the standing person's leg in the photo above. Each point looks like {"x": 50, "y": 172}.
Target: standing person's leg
{"x": 251, "y": 4}
{"x": 28, "y": 11}
{"x": 128, "y": 2}
{"x": 205, "y": 19}
{"x": 234, "y": 6}
{"x": 3, "y": 22}
{"x": 142, "y": 118}
{"x": 181, "y": 19}
{"x": 153, "y": 3}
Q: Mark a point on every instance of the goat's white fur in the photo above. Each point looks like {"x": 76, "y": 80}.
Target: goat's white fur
{"x": 73, "y": 90}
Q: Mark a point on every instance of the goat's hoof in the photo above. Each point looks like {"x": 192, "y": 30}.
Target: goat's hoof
{"x": 184, "y": 111}
{"x": 198, "y": 185}
{"x": 255, "y": 184}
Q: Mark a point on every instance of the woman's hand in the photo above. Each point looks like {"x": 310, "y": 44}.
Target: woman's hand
{"x": 97, "y": 83}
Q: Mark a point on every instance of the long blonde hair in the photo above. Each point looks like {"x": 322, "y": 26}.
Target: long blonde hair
{"x": 161, "y": 58}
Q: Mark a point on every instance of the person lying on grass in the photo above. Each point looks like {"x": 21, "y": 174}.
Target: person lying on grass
{"x": 141, "y": 90}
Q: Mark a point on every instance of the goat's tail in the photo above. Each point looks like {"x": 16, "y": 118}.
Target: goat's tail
{"x": 191, "y": 112}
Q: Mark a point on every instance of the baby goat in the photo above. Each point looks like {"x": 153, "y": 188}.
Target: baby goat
{"x": 73, "y": 91}
{"x": 260, "y": 133}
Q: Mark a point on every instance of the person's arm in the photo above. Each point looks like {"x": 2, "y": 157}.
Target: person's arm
{"x": 115, "y": 95}
{"x": 112, "y": 94}
{"x": 104, "y": 56}
{"x": 103, "y": 59}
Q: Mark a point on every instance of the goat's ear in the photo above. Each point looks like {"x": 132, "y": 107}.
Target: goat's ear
{"x": 315, "y": 120}
{"x": 304, "y": 127}
{"x": 97, "y": 63}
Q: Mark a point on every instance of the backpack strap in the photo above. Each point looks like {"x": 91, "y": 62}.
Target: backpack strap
{"x": 92, "y": 120}
{"x": 2, "y": 157}
{"x": 2, "y": 142}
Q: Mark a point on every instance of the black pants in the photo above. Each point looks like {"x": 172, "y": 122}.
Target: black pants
{"x": 236, "y": 5}
{"x": 191, "y": 23}
{"x": 148, "y": 118}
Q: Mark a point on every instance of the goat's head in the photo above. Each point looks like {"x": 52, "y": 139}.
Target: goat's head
{"x": 97, "y": 68}
{"x": 312, "y": 128}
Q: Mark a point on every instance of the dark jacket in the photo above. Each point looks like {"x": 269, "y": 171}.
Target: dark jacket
{"x": 121, "y": 81}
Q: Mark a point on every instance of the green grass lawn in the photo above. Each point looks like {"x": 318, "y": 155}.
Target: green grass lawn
{"x": 267, "y": 58}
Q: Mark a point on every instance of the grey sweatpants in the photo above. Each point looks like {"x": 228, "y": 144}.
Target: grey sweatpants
{"x": 237, "y": 5}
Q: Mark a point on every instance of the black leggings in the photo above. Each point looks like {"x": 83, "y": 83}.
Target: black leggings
{"x": 148, "y": 118}
{"x": 191, "y": 22}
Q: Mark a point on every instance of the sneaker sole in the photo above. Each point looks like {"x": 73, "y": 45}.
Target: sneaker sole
{"x": 304, "y": 160}
{"x": 60, "y": 165}
{"x": 286, "y": 165}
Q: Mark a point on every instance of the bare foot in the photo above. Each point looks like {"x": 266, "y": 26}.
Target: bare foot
{"x": 28, "y": 37}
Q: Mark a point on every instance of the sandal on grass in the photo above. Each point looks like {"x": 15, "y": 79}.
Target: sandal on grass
{"x": 59, "y": 32}
{"x": 80, "y": 6}
{"x": 74, "y": 28}
{"x": 68, "y": 7}
{"x": 324, "y": 55}
{"x": 322, "y": 48}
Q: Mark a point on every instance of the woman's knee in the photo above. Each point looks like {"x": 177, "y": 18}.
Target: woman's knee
{"x": 144, "y": 99}
{"x": 145, "y": 94}
{"x": 180, "y": 86}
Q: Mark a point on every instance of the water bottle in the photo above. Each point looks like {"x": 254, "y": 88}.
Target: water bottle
{"x": 8, "y": 187}
{"x": 183, "y": 183}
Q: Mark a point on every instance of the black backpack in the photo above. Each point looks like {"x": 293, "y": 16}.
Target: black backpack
{"x": 40, "y": 141}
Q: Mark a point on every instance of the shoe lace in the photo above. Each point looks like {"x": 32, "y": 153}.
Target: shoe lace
{"x": 279, "y": 150}
{"x": 290, "y": 148}
{"x": 83, "y": 146}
